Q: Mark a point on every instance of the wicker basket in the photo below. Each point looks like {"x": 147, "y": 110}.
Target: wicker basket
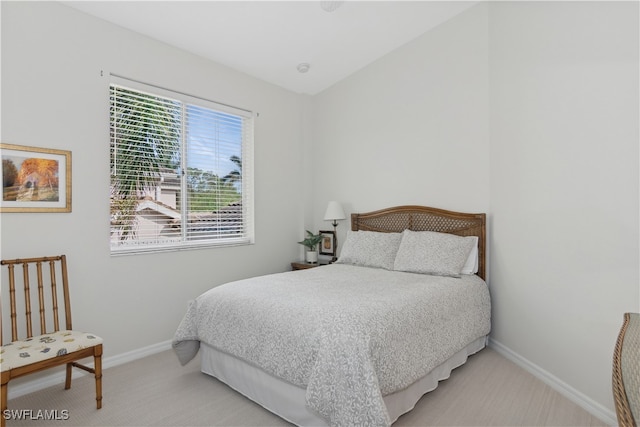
{"x": 626, "y": 371}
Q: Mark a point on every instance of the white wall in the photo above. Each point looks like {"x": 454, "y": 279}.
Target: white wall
{"x": 564, "y": 184}
{"x": 411, "y": 128}
{"x": 53, "y": 95}
{"x": 529, "y": 112}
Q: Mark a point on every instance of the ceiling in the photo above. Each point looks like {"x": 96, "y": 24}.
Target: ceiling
{"x": 269, "y": 39}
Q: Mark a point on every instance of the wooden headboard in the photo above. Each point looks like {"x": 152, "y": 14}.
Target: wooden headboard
{"x": 423, "y": 218}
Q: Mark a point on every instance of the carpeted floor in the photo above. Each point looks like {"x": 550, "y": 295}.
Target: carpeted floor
{"x": 156, "y": 391}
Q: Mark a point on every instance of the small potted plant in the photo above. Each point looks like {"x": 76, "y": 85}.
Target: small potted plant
{"x": 311, "y": 243}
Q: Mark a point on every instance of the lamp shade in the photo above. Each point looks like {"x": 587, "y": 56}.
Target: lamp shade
{"x": 334, "y": 212}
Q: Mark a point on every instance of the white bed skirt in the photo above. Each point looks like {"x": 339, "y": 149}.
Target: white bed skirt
{"x": 288, "y": 401}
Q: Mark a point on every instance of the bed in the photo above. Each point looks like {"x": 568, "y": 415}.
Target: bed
{"x": 357, "y": 342}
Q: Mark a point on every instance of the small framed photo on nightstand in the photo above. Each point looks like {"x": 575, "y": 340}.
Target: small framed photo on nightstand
{"x": 328, "y": 243}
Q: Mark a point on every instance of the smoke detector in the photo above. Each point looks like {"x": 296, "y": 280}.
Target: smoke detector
{"x": 330, "y": 6}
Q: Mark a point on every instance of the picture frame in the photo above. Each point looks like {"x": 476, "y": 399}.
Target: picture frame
{"x": 328, "y": 243}
{"x": 35, "y": 179}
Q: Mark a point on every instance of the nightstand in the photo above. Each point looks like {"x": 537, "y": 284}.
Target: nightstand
{"x": 302, "y": 265}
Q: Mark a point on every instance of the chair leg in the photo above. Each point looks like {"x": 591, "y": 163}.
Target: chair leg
{"x": 4, "y": 404}
{"x": 67, "y": 383}
{"x": 97, "y": 359}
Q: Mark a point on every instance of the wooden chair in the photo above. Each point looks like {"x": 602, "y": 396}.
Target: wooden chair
{"x": 626, "y": 371}
{"x": 28, "y": 353}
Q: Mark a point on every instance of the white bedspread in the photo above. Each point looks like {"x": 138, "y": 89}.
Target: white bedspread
{"x": 347, "y": 334}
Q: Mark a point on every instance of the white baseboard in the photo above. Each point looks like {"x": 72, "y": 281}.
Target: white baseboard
{"x": 594, "y": 408}
{"x": 44, "y": 381}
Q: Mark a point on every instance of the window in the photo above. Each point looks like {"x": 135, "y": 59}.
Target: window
{"x": 181, "y": 170}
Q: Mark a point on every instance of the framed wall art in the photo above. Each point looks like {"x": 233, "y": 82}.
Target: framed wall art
{"x": 35, "y": 179}
{"x": 328, "y": 243}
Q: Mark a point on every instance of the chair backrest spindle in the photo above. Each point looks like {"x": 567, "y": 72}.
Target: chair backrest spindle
{"x": 54, "y": 296}
{"x": 43, "y": 323}
{"x": 12, "y": 298}
{"x": 27, "y": 299}
{"x": 65, "y": 286}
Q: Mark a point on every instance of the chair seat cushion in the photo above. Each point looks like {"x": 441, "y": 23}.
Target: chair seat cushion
{"x": 42, "y": 347}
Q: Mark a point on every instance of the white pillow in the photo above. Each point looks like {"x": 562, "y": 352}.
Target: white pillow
{"x": 471, "y": 265}
{"x": 429, "y": 252}
{"x": 370, "y": 249}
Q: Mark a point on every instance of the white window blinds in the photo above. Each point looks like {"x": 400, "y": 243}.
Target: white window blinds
{"x": 181, "y": 170}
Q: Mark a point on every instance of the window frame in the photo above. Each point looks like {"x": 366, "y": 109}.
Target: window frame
{"x": 246, "y": 155}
